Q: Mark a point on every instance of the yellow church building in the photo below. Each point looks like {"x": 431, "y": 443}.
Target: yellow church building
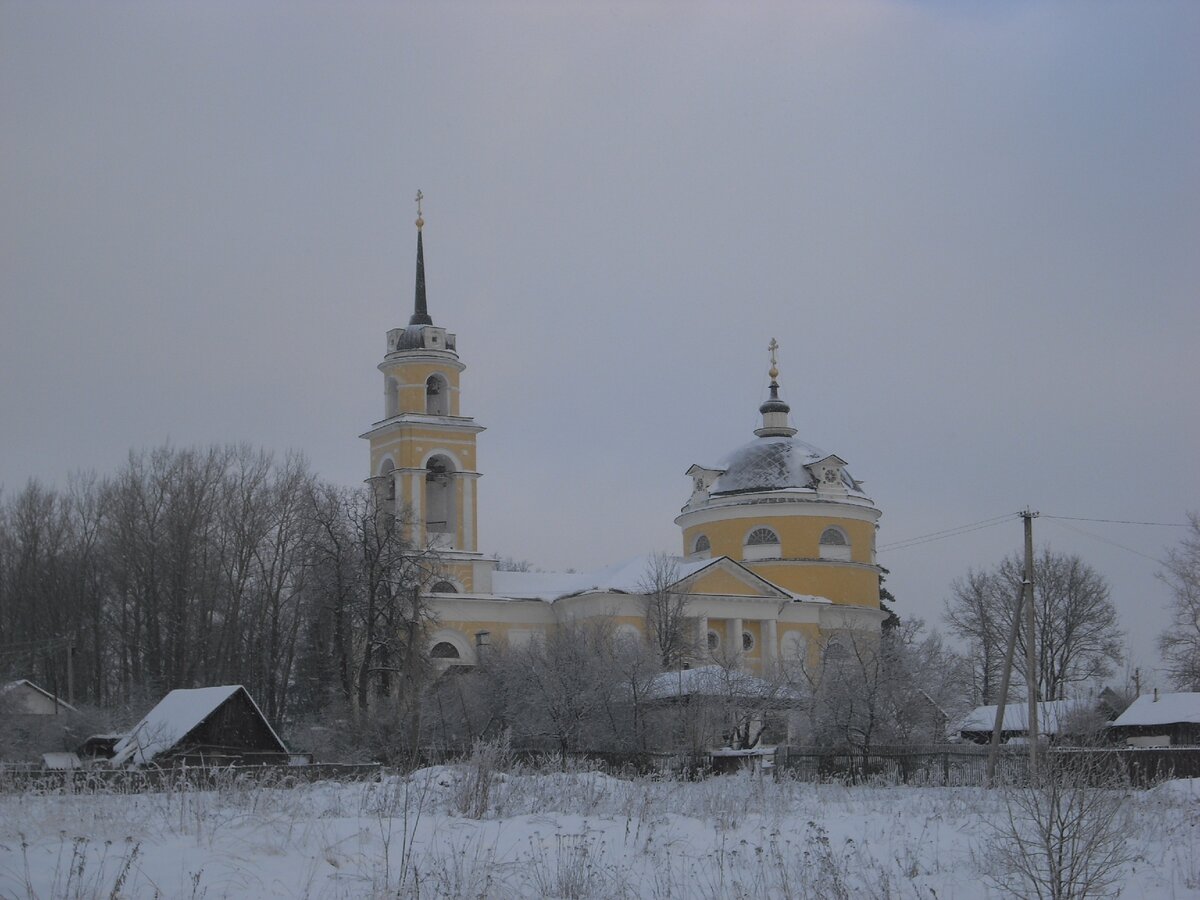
{"x": 778, "y": 540}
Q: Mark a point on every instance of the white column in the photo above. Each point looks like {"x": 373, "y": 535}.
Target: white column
{"x": 702, "y": 636}
{"x": 733, "y": 637}
{"x": 770, "y": 636}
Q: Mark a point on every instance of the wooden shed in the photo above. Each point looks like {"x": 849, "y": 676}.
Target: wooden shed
{"x": 202, "y": 726}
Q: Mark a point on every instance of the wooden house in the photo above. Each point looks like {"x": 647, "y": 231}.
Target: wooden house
{"x": 200, "y": 727}
{"x": 1160, "y": 720}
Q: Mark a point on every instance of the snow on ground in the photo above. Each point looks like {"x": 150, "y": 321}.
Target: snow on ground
{"x": 575, "y": 835}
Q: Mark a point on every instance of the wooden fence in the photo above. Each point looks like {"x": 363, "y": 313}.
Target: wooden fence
{"x": 955, "y": 765}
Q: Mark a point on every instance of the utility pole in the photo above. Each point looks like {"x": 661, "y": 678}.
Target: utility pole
{"x": 1026, "y": 601}
{"x": 1030, "y": 644}
{"x": 71, "y": 674}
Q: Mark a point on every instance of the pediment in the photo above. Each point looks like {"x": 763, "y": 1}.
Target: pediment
{"x": 724, "y": 577}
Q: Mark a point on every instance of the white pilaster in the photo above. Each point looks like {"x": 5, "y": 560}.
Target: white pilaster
{"x": 702, "y": 636}
{"x": 733, "y": 639}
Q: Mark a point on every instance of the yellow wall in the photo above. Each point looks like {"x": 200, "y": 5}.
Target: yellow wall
{"x": 411, "y": 376}
{"x": 799, "y": 536}
{"x": 720, "y": 582}
{"x": 840, "y": 583}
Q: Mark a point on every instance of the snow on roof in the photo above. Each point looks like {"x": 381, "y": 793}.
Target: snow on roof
{"x": 773, "y": 463}
{"x": 1051, "y": 714}
{"x": 714, "y": 681}
{"x": 13, "y": 685}
{"x": 629, "y": 577}
{"x": 59, "y": 761}
{"x": 1169, "y": 709}
{"x": 172, "y": 719}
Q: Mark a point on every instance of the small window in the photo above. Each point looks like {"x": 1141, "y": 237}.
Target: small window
{"x": 761, "y": 536}
{"x": 834, "y": 544}
{"x": 437, "y": 396}
{"x": 714, "y": 640}
{"x": 444, "y": 650}
{"x": 747, "y": 641}
{"x": 702, "y": 544}
{"x": 834, "y": 536}
{"x": 444, "y": 587}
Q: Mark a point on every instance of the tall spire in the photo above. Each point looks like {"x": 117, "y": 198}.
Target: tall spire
{"x": 774, "y": 411}
{"x": 420, "y": 314}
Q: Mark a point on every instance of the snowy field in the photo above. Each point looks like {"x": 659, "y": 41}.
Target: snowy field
{"x": 443, "y": 832}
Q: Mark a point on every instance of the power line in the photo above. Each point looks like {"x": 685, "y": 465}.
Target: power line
{"x": 1105, "y": 540}
{"x": 1119, "y": 521}
{"x": 945, "y": 533}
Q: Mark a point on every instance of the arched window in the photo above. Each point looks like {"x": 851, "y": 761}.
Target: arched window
{"x": 437, "y": 396}
{"x": 761, "y": 543}
{"x": 443, "y": 587}
{"x": 444, "y": 650}
{"x": 387, "y": 471}
{"x": 702, "y": 544}
{"x": 439, "y": 496}
{"x": 762, "y": 536}
{"x": 834, "y": 544}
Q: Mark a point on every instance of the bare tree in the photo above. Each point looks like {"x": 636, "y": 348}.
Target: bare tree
{"x": 897, "y": 688}
{"x": 668, "y": 628}
{"x": 1078, "y": 635}
{"x": 1064, "y": 833}
{"x": 1180, "y": 642}
{"x": 974, "y": 615}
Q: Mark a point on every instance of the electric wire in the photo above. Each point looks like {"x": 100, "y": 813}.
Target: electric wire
{"x": 1118, "y": 521}
{"x": 945, "y": 533}
{"x": 1105, "y": 540}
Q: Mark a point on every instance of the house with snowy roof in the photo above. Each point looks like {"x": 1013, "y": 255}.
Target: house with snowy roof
{"x": 1056, "y": 719}
{"x": 202, "y": 726}
{"x": 1160, "y": 720}
{"x": 714, "y": 706}
{"x": 24, "y": 698}
{"x": 777, "y": 540}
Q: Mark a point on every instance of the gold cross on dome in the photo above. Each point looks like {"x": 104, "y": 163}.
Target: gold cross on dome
{"x": 420, "y": 197}
{"x": 772, "y": 347}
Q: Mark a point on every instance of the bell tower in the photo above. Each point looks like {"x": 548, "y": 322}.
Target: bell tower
{"x": 423, "y": 449}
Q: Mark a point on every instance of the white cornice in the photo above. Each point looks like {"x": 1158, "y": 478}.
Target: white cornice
{"x": 463, "y": 424}
{"x": 400, "y": 357}
{"x": 769, "y": 504}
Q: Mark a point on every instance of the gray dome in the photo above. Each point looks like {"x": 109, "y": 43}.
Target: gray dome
{"x": 770, "y": 464}
{"x": 412, "y": 339}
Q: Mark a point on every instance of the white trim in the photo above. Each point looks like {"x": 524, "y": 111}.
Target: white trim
{"x": 437, "y": 451}
{"x": 772, "y": 504}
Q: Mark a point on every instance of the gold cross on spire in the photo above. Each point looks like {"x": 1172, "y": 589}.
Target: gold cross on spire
{"x": 772, "y": 347}
{"x": 419, "y": 198}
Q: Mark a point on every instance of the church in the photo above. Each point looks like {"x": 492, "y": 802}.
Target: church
{"x": 777, "y": 539}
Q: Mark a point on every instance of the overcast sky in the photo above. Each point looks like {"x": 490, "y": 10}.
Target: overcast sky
{"x": 973, "y": 228}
